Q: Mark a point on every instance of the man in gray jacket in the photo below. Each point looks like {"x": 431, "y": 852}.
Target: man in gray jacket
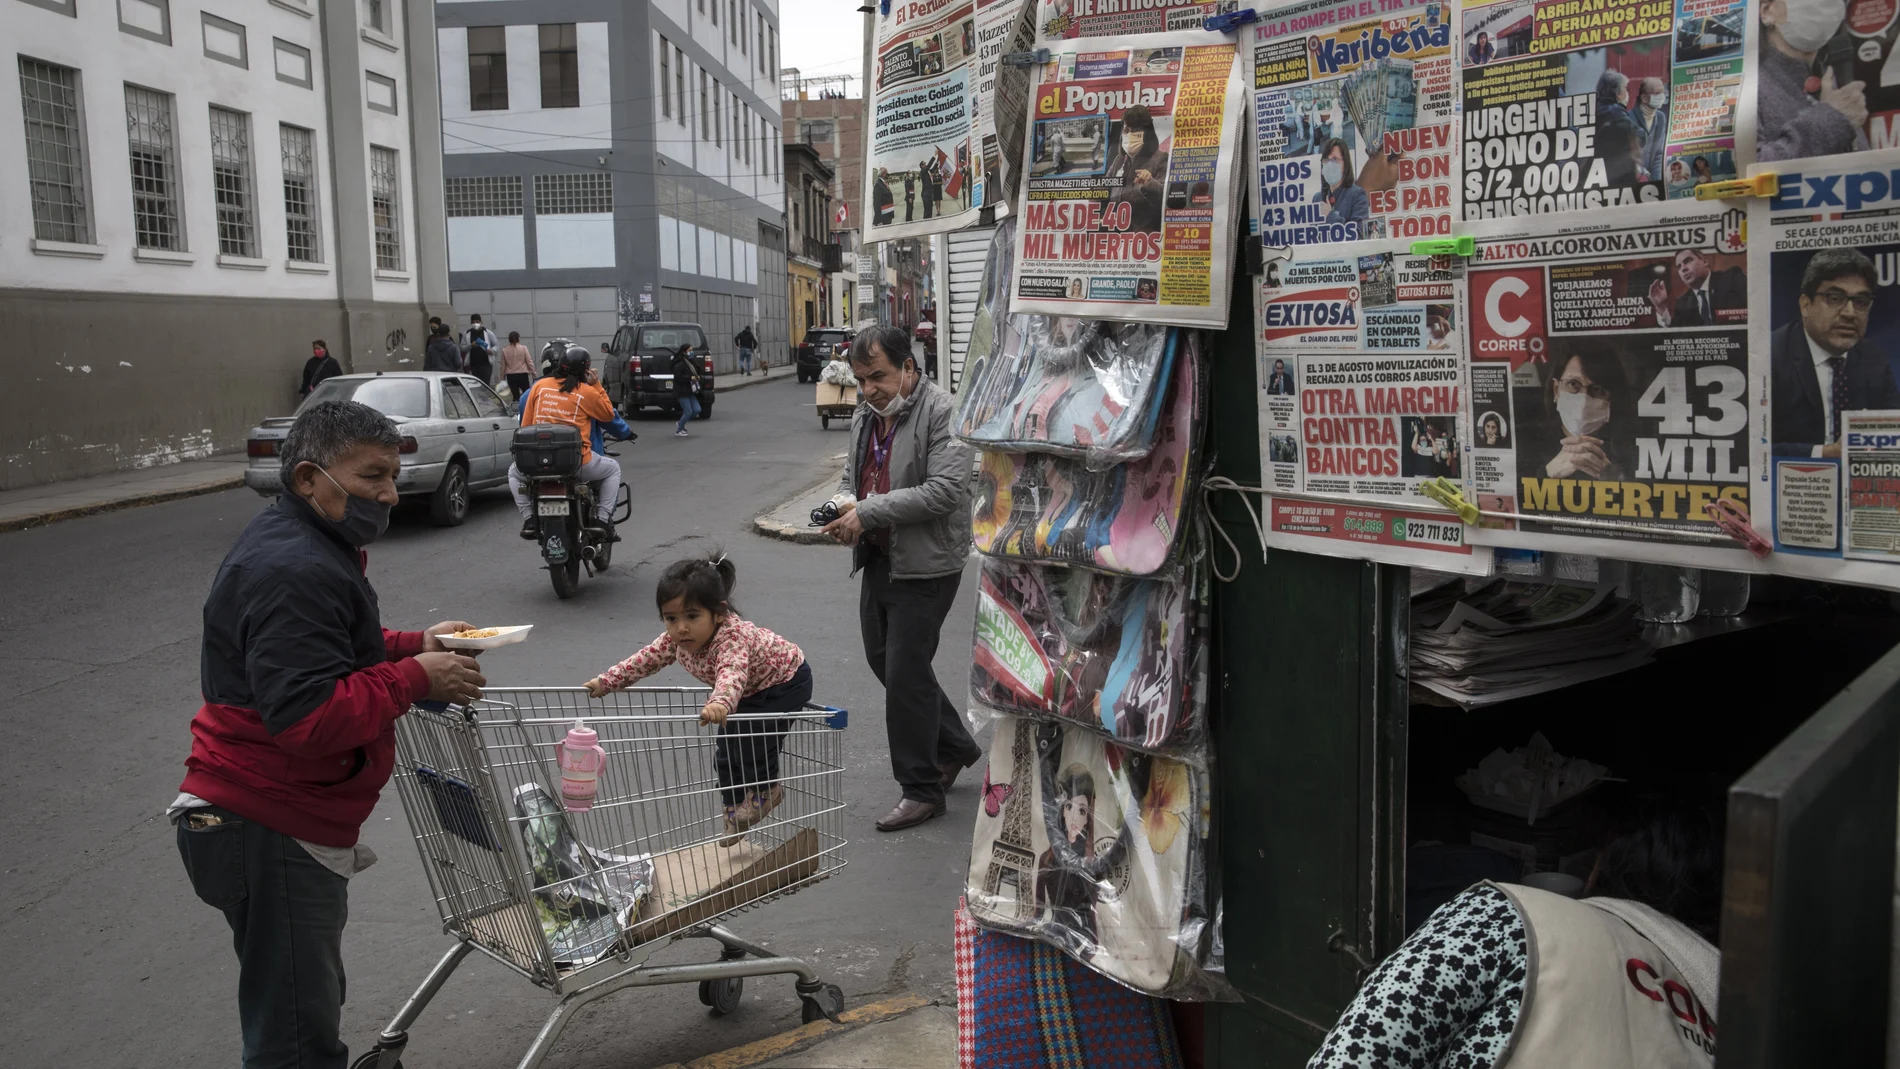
{"x": 907, "y": 482}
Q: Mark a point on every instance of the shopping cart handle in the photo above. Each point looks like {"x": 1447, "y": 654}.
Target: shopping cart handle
{"x": 836, "y": 719}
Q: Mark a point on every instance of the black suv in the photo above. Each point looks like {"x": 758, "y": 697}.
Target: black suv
{"x": 818, "y": 348}
{"x": 638, "y": 372}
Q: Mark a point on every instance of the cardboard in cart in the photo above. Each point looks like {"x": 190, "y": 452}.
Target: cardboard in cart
{"x": 698, "y": 883}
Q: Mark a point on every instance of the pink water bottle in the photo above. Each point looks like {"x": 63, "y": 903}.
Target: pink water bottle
{"x": 581, "y": 761}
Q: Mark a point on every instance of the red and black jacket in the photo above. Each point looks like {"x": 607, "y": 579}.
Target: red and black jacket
{"x": 302, "y": 686}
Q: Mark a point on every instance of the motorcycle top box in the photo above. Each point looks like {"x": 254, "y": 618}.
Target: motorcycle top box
{"x": 548, "y": 449}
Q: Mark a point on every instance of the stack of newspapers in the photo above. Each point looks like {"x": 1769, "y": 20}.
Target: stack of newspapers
{"x": 1510, "y": 638}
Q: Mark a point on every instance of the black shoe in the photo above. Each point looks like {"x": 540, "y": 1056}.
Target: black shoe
{"x": 531, "y": 528}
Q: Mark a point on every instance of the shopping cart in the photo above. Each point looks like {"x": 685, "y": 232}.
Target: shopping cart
{"x": 577, "y": 902}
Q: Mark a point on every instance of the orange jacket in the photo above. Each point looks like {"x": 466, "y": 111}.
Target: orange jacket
{"x": 547, "y": 404}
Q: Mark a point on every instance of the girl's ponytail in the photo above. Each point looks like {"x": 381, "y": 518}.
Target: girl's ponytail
{"x": 703, "y": 581}
{"x": 728, "y": 572}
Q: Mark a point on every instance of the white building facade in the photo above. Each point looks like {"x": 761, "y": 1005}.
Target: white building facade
{"x": 191, "y": 192}
{"x": 602, "y": 158}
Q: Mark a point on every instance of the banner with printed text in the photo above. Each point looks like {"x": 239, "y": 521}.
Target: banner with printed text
{"x": 923, "y": 171}
{"x": 1827, "y": 252}
{"x": 1610, "y": 377}
{"x": 1362, "y": 399}
{"x": 1576, "y": 105}
{"x": 1129, "y": 197}
{"x": 1058, "y": 21}
{"x": 1355, "y": 122}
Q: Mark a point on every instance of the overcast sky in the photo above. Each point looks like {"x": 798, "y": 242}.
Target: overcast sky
{"x": 822, "y": 37}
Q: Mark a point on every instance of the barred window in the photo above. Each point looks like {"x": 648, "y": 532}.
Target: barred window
{"x": 302, "y": 229}
{"x": 152, "y": 146}
{"x": 231, "y": 181}
{"x": 385, "y": 205}
{"x": 485, "y": 195}
{"x": 55, "y": 153}
{"x": 573, "y": 194}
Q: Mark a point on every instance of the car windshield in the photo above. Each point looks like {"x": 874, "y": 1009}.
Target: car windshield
{"x": 832, "y": 337}
{"x": 397, "y": 398}
{"x": 671, "y": 337}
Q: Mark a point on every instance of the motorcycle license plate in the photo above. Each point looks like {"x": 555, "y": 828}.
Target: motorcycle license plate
{"x": 552, "y": 508}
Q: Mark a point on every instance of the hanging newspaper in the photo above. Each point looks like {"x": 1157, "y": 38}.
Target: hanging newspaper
{"x": 1068, "y": 20}
{"x": 1574, "y": 105}
{"x": 921, "y": 179}
{"x": 1610, "y": 392}
{"x": 1362, "y": 395}
{"x": 1827, "y": 79}
{"x": 1355, "y": 121}
{"x": 1827, "y": 249}
{"x": 1129, "y": 202}
{"x": 1003, "y": 27}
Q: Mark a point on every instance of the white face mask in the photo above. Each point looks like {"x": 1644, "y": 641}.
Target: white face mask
{"x": 1581, "y": 413}
{"x": 1331, "y": 172}
{"x": 1810, "y": 24}
{"x": 1657, "y": 100}
{"x": 894, "y": 406}
{"x": 1131, "y": 143}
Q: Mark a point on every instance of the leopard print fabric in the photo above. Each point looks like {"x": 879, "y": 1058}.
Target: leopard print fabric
{"x": 1448, "y": 998}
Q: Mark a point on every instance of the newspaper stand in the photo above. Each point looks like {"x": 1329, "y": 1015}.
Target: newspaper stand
{"x": 480, "y": 785}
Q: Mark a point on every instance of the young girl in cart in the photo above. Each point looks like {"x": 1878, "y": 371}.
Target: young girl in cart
{"x": 750, "y": 670}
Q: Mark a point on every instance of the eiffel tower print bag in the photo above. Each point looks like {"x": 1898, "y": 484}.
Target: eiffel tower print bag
{"x": 1099, "y": 851}
{"x": 1126, "y": 520}
{"x": 1125, "y": 657}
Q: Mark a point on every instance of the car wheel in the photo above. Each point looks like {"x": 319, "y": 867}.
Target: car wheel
{"x": 705, "y": 410}
{"x": 448, "y": 506}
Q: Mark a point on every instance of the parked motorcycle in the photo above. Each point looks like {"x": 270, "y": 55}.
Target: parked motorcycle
{"x": 549, "y": 457}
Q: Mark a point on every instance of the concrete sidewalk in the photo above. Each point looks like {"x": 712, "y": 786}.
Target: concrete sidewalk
{"x": 735, "y": 381}
{"x": 906, "y": 1032}
{"x": 791, "y": 520}
{"x": 35, "y": 506}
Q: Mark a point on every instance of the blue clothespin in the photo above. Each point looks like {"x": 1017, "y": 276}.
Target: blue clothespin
{"x": 1229, "y": 22}
{"x": 1027, "y": 59}
{"x": 883, "y": 7}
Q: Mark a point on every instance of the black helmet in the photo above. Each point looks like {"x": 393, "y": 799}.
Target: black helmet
{"x": 575, "y": 361}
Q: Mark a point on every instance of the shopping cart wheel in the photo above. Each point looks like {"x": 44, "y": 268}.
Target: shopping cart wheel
{"x": 369, "y": 1061}
{"x": 826, "y": 1003}
{"x": 722, "y": 995}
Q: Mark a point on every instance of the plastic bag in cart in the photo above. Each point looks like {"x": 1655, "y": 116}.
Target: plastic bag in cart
{"x": 583, "y": 897}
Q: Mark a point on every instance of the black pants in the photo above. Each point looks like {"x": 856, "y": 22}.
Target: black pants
{"x": 902, "y": 620}
{"x": 519, "y": 383}
{"x": 747, "y": 752}
{"x": 286, "y": 913}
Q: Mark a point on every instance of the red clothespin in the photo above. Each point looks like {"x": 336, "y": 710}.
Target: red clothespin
{"x": 1733, "y": 519}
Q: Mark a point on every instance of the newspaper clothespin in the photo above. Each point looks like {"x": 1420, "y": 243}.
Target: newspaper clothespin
{"x": 1446, "y": 493}
{"x": 883, "y": 7}
{"x": 1460, "y": 246}
{"x": 1229, "y": 22}
{"x": 1027, "y": 59}
{"x": 1761, "y": 185}
{"x": 1732, "y": 518}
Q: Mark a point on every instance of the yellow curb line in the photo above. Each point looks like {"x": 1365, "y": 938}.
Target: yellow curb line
{"x": 770, "y": 1047}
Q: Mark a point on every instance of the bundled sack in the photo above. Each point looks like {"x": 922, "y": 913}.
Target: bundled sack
{"x": 1126, "y": 520}
{"x": 1100, "y": 852}
{"x": 1022, "y": 1005}
{"x": 1086, "y": 389}
{"x": 1124, "y": 656}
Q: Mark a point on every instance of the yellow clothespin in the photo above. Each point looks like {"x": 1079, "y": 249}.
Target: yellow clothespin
{"x": 1761, "y": 185}
{"x": 1446, "y": 493}
{"x": 1460, "y": 246}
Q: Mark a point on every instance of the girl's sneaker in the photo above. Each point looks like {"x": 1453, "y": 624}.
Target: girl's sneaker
{"x": 750, "y": 812}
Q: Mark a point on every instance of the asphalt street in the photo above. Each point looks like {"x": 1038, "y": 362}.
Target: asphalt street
{"x": 114, "y": 962}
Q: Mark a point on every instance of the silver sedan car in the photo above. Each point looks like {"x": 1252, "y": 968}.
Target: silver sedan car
{"x": 456, "y": 433}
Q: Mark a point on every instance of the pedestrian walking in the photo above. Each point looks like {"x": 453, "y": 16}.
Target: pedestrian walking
{"x": 517, "y": 363}
{"x": 302, "y": 686}
{"x": 442, "y": 354}
{"x": 750, "y": 670}
{"x": 320, "y": 366}
{"x": 685, "y": 387}
{"x": 478, "y": 350}
{"x": 906, "y": 514}
{"x": 746, "y": 342}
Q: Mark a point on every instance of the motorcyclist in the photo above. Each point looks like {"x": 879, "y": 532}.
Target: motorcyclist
{"x": 572, "y": 396}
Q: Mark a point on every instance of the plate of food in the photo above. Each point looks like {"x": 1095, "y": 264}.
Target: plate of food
{"x": 486, "y": 638}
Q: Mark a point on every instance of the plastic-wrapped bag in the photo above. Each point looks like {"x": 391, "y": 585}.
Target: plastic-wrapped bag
{"x": 992, "y": 300}
{"x": 1123, "y": 656}
{"x": 583, "y": 897}
{"x": 1101, "y": 852}
{"x": 1086, "y": 389}
{"x": 1127, "y": 520}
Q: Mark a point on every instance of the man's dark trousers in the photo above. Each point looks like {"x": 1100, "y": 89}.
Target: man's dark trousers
{"x": 286, "y": 913}
{"x": 902, "y": 620}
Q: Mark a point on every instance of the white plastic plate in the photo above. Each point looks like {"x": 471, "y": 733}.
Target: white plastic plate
{"x": 508, "y": 636}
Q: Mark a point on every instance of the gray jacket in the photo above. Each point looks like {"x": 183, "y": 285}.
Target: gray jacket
{"x": 933, "y": 475}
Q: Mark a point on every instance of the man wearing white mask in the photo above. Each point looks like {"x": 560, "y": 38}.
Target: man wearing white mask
{"x": 1651, "y": 114}
{"x": 905, "y": 498}
{"x": 1793, "y": 121}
